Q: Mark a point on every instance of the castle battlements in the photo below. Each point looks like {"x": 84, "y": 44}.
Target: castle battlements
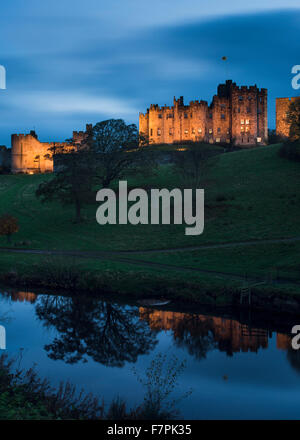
{"x": 29, "y": 155}
{"x": 236, "y": 114}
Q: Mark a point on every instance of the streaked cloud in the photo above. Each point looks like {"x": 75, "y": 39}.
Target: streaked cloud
{"x": 70, "y": 62}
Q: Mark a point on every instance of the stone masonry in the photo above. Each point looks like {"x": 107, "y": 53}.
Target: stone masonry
{"x": 29, "y": 155}
{"x": 237, "y": 115}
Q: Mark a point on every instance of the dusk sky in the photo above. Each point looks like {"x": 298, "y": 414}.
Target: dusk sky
{"x": 70, "y": 62}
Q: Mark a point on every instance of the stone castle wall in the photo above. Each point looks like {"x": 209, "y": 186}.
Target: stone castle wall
{"x": 236, "y": 115}
{"x": 29, "y": 155}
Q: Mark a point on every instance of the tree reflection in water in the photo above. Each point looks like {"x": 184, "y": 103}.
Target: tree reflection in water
{"x": 195, "y": 336}
{"x": 110, "y": 334}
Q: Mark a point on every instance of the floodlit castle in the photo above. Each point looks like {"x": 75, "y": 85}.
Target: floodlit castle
{"x": 29, "y": 155}
{"x": 237, "y": 115}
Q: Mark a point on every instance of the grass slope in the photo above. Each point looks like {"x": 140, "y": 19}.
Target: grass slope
{"x": 250, "y": 195}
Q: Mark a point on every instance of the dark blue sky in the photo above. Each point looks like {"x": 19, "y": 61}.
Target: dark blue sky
{"x": 70, "y": 62}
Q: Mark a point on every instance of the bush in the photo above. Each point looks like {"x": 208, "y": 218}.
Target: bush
{"x": 23, "y": 396}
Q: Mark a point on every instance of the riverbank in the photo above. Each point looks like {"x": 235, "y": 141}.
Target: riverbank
{"x": 25, "y": 396}
{"x": 88, "y": 276}
{"x": 250, "y": 242}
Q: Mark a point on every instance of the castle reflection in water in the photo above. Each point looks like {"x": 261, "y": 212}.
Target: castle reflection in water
{"x": 228, "y": 335}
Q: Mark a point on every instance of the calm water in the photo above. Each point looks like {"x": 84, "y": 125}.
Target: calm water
{"x": 236, "y": 370}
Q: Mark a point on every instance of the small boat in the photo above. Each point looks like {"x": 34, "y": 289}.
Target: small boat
{"x": 153, "y": 302}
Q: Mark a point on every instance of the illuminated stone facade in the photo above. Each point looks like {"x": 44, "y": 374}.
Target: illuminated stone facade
{"x": 29, "y": 155}
{"x": 237, "y": 115}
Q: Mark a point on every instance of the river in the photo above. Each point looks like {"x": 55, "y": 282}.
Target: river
{"x": 234, "y": 367}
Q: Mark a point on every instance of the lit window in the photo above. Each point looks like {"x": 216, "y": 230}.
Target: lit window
{"x": 247, "y": 121}
{"x": 247, "y": 128}
{"x": 242, "y": 128}
{"x": 210, "y": 130}
{"x": 218, "y": 140}
{"x": 199, "y": 130}
{"x": 242, "y": 121}
{"x": 193, "y": 130}
{"x": 186, "y": 132}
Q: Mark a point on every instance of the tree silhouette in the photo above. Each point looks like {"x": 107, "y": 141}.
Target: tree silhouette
{"x": 110, "y": 334}
{"x": 195, "y": 335}
{"x": 119, "y": 151}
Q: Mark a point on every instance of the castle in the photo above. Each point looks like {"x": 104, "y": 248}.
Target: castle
{"x": 29, "y": 155}
{"x": 237, "y": 115}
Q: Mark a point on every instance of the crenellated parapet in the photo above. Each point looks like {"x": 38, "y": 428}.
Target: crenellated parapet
{"x": 237, "y": 115}
{"x": 29, "y": 155}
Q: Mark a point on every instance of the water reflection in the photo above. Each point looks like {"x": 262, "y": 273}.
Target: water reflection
{"x": 293, "y": 357}
{"x": 113, "y": 334}
{"x": 251, "y": 350}
{"x": 109, "y": 333}
{"x": 201, "y": 333}
{"x": 20, "y": 296}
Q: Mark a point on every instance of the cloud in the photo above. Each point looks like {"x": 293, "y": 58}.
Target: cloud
{"x": 74, "y": 103}
{"x": 92, "y": 63}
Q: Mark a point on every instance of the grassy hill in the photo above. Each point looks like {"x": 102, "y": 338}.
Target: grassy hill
{"x": 249, "y": 195}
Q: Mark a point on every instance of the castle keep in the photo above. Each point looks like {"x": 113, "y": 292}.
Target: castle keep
{"x": 29, "y": 155}
{"x": 237, "y": 115}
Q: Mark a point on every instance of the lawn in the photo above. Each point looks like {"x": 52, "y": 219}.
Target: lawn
{"x": 250, "y": 195}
